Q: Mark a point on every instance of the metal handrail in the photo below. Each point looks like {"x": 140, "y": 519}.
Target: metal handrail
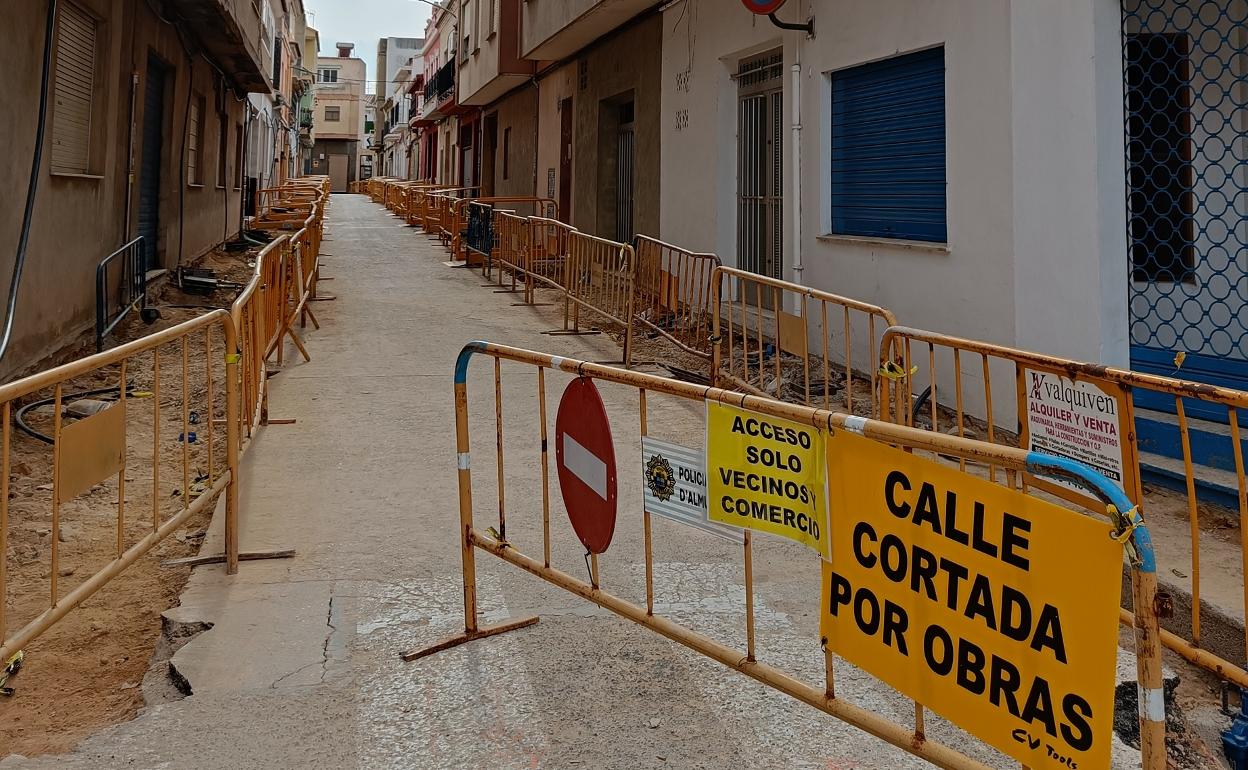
{"x": 133, "y": 288}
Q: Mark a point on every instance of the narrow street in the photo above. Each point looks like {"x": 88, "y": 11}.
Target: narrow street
{"x": 301, "y": 668}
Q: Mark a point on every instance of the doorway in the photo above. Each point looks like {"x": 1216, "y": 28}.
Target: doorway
{"x": 149, "y": 166}
{"x": 338, "y": 166}
{"x": 565, "y": 160}
{"x": 760, "y": 156}
{"x": 625, "y": 174}
{"x": 1187, "y": 194}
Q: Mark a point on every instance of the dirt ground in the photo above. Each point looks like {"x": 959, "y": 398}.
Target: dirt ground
{"x": 86, "y": 672}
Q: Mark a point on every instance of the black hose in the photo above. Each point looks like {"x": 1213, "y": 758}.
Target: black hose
{"x": 32, "y": 187}
{"x": 19, "y": 416}
{"x": 919, "y": 402}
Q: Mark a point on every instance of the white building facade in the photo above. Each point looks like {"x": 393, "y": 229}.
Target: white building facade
{"x": 978, "y": 183}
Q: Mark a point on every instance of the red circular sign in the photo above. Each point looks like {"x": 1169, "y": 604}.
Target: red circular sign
{"x": 763, "y": 7}
{"x": 585, "y": 456}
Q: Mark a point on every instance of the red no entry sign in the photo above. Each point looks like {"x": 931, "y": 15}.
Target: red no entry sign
{"x": 585, "y": 456}
{"x": 763, "y": 7}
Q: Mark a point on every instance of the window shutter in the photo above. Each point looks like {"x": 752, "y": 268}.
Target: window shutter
{"x": 72, "y": 91}
{"x": 888, "y": 148}
{"x": 193, "y": 145}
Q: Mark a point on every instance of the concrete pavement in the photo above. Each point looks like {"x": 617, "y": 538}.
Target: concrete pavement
{"x": 300, "y": 667}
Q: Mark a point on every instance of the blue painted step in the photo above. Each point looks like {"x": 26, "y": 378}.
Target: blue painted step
{"x": 1213, "y": 458}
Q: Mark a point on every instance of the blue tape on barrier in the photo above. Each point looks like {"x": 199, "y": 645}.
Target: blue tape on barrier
{"x": 465, "y": 356}
{"x": 1069, "y": 470}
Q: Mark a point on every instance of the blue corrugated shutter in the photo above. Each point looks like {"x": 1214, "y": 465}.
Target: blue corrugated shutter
{"x": 888, "y": 148}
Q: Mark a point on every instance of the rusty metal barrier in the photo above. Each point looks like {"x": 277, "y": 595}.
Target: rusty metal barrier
{"x": 461, "y": 250}
{"x": 512, "y": 247}
{"x": 93, "y": 454}
{"x": 822, "y": 695}
{"x": 600, "y": 276}
{"x": 959, "y": 396}
{"x": 263, "y": 314}
{"x": 674, "y": 293}
{"x": 547, "y": 261}
{"x": 411, "y": 200}
{"x": 442, "y": 213}
{"x": 795, "y": 343}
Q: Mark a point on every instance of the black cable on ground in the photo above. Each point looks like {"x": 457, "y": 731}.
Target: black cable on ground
{"x": 19, "y": 416}
{"x": 32, "y": 187}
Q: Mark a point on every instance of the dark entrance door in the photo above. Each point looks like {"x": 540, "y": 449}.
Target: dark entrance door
{"x": 565, "y": 160}
{"x": 1187, "y": 198}
{"x": 149, "y": 167}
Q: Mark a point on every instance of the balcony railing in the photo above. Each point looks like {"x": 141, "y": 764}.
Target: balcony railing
{"x": 441, "y": 84}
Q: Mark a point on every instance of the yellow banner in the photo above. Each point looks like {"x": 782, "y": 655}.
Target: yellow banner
{"x": 766, "y": 474}
{"x": 997, "y": 610}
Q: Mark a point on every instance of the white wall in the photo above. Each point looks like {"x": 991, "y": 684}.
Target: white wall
{"x": 1036, "y": 252}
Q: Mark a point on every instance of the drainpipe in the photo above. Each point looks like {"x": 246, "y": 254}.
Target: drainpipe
{"x": 796, "y": 153}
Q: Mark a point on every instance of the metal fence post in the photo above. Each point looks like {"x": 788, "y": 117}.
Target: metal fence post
{"x": 233, "y": 442}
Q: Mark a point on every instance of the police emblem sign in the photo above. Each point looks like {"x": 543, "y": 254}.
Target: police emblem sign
{"x": 675, "y": 486}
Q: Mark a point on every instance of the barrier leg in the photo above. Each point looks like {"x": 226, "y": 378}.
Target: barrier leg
{"x": 1152, "y": 699}
{"x": 471, "y": 630}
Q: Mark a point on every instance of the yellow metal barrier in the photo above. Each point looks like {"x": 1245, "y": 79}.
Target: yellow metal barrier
{"x": 857, "y": 434}
{"x": 512, "y": 244}
{"x": 1064, "y": 407}
{"x": 546, "y": 262}
{"x": 795, "y": 343}
{"x": 674, "y": 293}
{"x": 540, "y": 207}
{"x": 95, "y": 452}
{"x": 601, "y": 276}
{"x": 150, "y": 406}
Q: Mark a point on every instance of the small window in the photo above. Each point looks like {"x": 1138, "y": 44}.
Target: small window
{"x": 277, "y": 63}
{"x": 333, "y": 114}
{"x": 506, "y": 152}
{"x": 74, "y": 90}
{"x": 223, "y": 144}
{"x": 328, "y": 76}
{"x": 238, "y": 156}
{"x": 195, "y": 142}
{"x": 888, "y": 149}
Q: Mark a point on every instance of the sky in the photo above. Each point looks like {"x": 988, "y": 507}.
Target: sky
{"x": 364, "y": 22}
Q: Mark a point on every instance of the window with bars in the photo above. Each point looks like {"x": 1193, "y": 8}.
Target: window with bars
{"x": 238, "y": 156}
{"x": 195, "y": 142}
{"x": 223, "y": 145}
{"x": 888, "y": 148}
{"x": 73, "y": 104}
{"x": 507, "y": 152}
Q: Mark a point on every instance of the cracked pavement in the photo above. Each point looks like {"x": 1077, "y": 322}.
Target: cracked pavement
{"x": 300, "y": 666}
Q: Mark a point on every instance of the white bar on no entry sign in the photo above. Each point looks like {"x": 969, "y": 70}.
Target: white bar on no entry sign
{"x": 585, "y": 465}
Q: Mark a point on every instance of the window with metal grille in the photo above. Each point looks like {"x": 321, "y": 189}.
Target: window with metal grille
{"x": 238, "y": 156}
{"x": 506, "y": 152}
{"x": 277, "y": 62}
{"x": 333, "y": 114}
{"x": 1160, "y": 174}
{"x": 223, "y": 144}
{"x": 195, "y": 142}
{"x": 888, "y": 148}
{"x": 73, "y": 90}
